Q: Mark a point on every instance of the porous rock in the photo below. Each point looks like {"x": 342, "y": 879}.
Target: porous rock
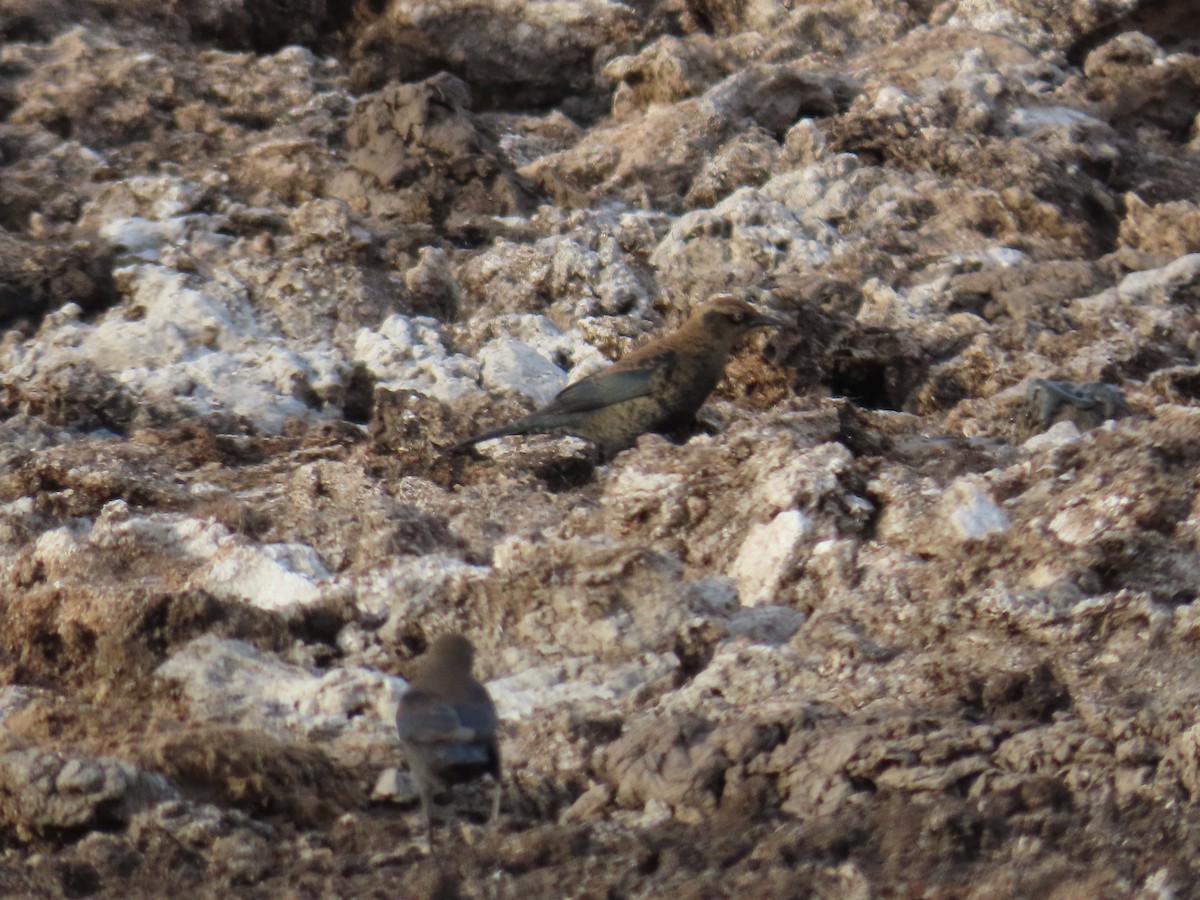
{"x": 909, "y": 608}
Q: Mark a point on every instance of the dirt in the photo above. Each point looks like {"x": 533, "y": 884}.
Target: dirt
{"x": 910, "y": 612}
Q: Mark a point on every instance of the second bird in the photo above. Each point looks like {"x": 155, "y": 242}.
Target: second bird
{"x": 447, "y": 723}
{"x": 658, "y": 387}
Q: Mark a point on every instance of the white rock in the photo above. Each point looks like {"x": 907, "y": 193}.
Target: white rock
{"x": 751, "y": 231}
{"x": 892, "y": 101}
{"x": 231, "y": 681}
{"x": 975, "y": 260}
{"x": 255, "y": 386}
{"x": 826, "y": 190}
{"x": 988, "y": 16}
{"x": 394, "y": 786}
{"x": 802, "y": 478}
{"x": 215, "y": 317}
{"x": 340, "y": 694}
{"x": 407, "y": 587}
{"x": 408, "y": 354}
{"x": 170, "y": 533}
{"x": 1060, "y": 434}
{"x": 769, "y": 553}
{"x": 1159, "y": 886}
{"x": 511, "y": 365}
{"x": 805, "y": 142}
{"x": 1160, "y": 284}
{"x": 655, "y": 814}
{"x": 1037, "y": 121}
{"x": 555, "y": 346}
{"x": 1085, "y": 523}
{"x": 153, "y": 197}
{"x": 60, "y": 548}
{"x": 199, "y": 349}
{"x": 883, "y": 305}
{"x": 972, "y": 512}
{"x": 269, "y": 576}
{"x": 12, "y": 698}
{"x": 596, "y": 280}
{"x": 576, "y": 682}
{"x": 143, "y": 238}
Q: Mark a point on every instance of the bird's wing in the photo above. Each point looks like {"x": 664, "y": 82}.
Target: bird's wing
{"x": 426, "y": 719}
{"x": 476, "y": 710}
{"x": 631, "y": 377}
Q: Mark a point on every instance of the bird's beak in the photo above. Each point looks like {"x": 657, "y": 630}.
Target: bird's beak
{"x": 761, "y": 321}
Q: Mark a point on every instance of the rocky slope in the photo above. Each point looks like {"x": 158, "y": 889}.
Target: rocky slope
{"x": 911, "y": 613}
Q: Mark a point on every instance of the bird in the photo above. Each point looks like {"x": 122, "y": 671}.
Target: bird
{"x": 657, "y": 387}
{"x": 1087, "y": 405}
{"x": 447, "y": 725}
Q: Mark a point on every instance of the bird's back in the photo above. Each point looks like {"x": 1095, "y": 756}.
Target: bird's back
{"x": 657, "y": 387}
{"x": 448, "y": 726}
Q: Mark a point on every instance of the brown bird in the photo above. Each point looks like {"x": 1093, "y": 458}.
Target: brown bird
{"x": 447, "y": 724}
{"x": 658, "y": 387}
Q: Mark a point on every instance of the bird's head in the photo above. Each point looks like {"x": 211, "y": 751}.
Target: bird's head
{"x": 451, "y": 651}
{"x": 727, "y": 318}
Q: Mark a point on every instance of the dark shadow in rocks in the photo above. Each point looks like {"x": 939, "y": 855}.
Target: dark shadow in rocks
{"x": 1033, "y": 695}
{"x": 38, "y": 277}
{"x": 254, "y": 771}
{"x": 878, "y": 368}
{"x": 76, "y": 395}
{"x": 261, "y": 26}
{"x": 358, "y": 395}
{"x": 566, "y": 473}
{"x": 1170, "y": 23}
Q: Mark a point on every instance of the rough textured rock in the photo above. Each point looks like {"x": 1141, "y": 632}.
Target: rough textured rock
{"x": 913, "y": 610}
{"x": 512, "y": 53}
{"x": 416, "y": 154}
{"x": 45, "y": 791}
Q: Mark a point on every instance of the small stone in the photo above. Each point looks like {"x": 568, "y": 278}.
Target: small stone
{"x": 589, "y": 804}
{"x": 769, "y": 554}
{"x": 394, "y": 786}
{"x": 973, "y": 514}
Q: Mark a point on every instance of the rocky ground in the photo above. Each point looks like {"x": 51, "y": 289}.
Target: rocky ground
{"x": 905, "y": 617}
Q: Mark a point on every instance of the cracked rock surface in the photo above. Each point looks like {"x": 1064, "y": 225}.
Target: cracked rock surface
{"x": 912, "y": 610}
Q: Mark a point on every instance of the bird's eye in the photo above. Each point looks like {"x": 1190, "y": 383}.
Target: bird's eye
{"x": 738, "y": 317}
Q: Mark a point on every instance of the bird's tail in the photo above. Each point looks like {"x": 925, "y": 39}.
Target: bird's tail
{"x": 499, "y": 431}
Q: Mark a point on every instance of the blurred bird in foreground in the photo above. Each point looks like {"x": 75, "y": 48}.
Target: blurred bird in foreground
{"x": 658, "y": 387}
{"x": 447, "y": 724}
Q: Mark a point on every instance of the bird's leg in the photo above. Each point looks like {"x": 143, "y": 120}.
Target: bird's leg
{"x": 426, "y": 811}
{"x": 495, "y": 816}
